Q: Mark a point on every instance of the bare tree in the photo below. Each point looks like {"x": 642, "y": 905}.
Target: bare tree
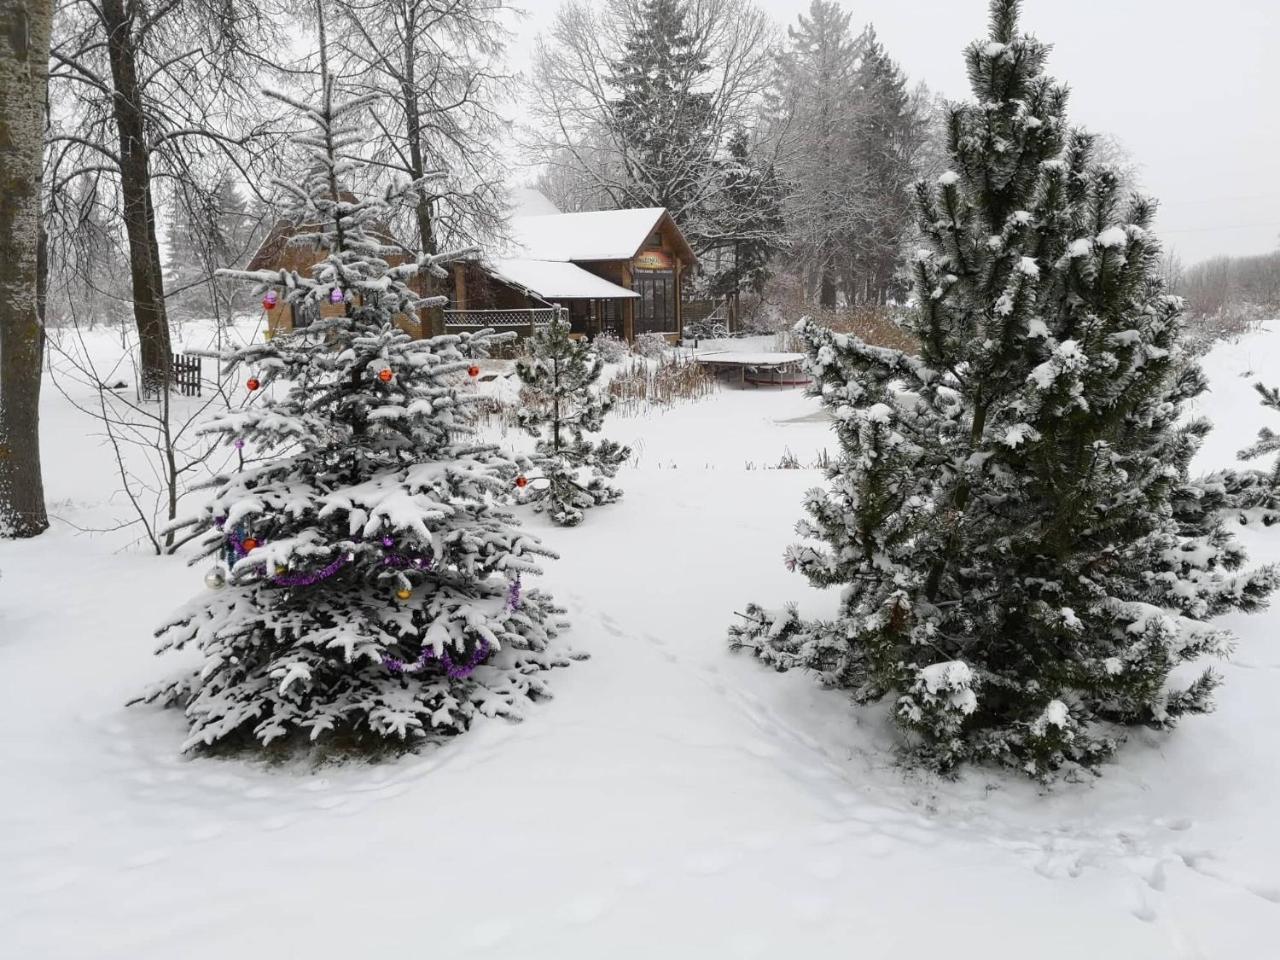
{"x": 585, "y": 111}
{"x": 436, "y": 66}
{"x": 146, "y": 92}
{"x": 24, "y": 44}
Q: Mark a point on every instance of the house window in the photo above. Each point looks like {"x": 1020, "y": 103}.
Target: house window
{"x": 656, "y": 308}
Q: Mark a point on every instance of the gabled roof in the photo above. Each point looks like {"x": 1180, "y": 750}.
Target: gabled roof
{"x": 592, "y": 235}
{"x": 555, "y": 280}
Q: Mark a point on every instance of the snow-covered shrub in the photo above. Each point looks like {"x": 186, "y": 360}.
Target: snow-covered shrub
{"x": 650, "y": 345}
{"x": 609, "y": 348}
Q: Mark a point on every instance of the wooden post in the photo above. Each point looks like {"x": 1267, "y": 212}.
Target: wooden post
{"x": 629, "y": 317}
{"x": 460, "y": 286}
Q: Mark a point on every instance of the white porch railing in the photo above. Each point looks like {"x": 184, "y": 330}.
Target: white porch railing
{"x": 519, "y": 320}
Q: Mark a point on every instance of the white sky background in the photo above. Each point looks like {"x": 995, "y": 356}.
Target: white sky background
{"x": 1191, "y": 88}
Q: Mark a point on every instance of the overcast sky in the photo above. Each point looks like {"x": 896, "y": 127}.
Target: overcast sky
{"x": 1191, "y": 88}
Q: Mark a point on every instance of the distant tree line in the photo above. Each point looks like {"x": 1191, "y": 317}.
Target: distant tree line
{"x": 793, "y": 152}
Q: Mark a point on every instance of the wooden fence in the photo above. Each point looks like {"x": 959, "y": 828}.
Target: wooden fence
{"x": 184, "y": 375}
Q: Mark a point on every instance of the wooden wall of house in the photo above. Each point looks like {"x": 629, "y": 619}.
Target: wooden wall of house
{"x": 474, "y": 289}
{"x": 300, "y": 259}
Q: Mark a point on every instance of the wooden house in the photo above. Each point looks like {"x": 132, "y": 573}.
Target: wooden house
{"x": 620, "y": 271}
{"x": 282, "y": 250}
{"x": 615, "y": 271}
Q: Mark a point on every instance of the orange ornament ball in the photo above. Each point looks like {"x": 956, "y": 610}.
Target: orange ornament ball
{"x": 522, "y": 482}
{"x": 249, "y": 544}
{"x": 253, "y": 383}
{"x": 473, "y": 372}
{"x": 385, "y": 374}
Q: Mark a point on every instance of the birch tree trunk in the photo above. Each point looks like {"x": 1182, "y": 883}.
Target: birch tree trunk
{"x": 24, "y": 80}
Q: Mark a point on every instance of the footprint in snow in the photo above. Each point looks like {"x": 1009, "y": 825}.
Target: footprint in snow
{"x": 1156, "y": 878}
{"x": 1144, "y": 912}
{"x": 585, "y": 909}
{"x": 149, "y": 857}
{"x": 708, "y": 863}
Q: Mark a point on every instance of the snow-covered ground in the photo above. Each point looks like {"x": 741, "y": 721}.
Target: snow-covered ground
{"x": 674, "y": 800}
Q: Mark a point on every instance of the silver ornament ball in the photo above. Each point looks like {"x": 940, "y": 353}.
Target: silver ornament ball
{"x": 215, "y": 579}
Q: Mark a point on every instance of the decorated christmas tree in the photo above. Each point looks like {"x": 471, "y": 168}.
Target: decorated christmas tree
{"x": 1005, "y": 516}
{"x": 560, "y": 404}
{"x": 366, "y": 584}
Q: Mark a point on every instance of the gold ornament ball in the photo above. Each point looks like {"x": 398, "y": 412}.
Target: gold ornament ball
{"x": 404, "y": 594}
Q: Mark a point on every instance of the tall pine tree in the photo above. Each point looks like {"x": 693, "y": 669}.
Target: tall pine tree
{"x": 1002, "y": 516}
{"x": 747, "y": 220}
{"x": 662, "y": 115}
{"x": 560, "y": 404}
{"x": 888, "y": 134}
{"x": 367, "y": 579}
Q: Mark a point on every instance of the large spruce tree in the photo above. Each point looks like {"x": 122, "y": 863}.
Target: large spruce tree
{"x": 1001, "y": 518}
{"x": 662, "y": 113}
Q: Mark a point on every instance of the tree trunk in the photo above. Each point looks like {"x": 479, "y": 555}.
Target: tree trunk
{"x": 24, "y": 81}
{"x": 135, "y": 188}
{"x": 433, "y": 318}
{"x": 826, "y": 286}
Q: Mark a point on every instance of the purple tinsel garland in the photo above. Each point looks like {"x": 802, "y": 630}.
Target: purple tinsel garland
{"x": 451, "y": 669}
{"x": 306, "y": 579}
{"x": 513, "y": 595}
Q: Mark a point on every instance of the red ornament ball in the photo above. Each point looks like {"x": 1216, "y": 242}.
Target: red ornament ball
{"x": 473, "y": 372}
{"x": 270, "y": 300}
{"x": 252, "y": 383}
{"x": 385, "y": 374}
{"x": 249, "y": 544}
{"x": 522, "y": 482}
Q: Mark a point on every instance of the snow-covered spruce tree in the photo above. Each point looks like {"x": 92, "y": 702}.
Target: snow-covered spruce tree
{"x": 1001, "y": 517}
{"x": 367, "y": 578}
{"x": 560, "y": 404}
{"x": 1268, "y": 441}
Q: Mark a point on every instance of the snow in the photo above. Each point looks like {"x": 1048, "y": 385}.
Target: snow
{"x": 556, "y": 279}
{"x": 748, "y": 358}
{"x": 672, "y": 800}
{"x": 948, "y": 178}
{"x": 591, "y": 235}
{"x": 530, "y": 202}
{"x": 1112, "y": 237}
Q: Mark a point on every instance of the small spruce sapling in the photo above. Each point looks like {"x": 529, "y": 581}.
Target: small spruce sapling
{"x": 367, "y": 581}
{"x": 1268, "y": 441}
{"x": 560, "y": 404}
{"x": 1010, "y": 517}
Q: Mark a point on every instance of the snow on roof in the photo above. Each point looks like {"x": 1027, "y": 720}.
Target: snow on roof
{"x": 528, "y": 202}
{"x": 555, "y": 279}
{"x": 748, "y": 359}
{"x": 593, "y": 235}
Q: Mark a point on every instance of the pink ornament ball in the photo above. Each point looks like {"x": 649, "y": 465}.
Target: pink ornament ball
{"x": 335, "y": 295}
